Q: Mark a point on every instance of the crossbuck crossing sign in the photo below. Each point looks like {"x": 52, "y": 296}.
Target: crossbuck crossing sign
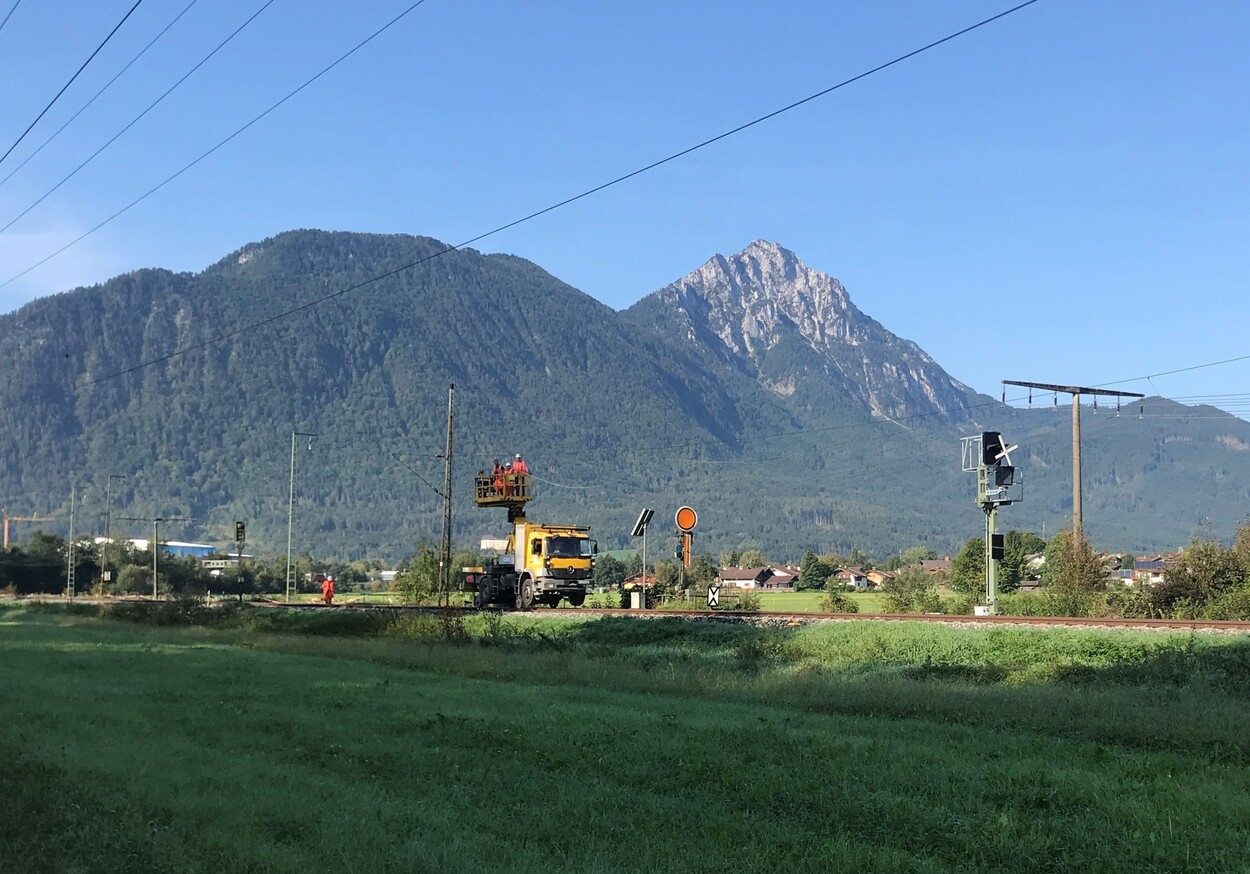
{"x": 713, "y": 596}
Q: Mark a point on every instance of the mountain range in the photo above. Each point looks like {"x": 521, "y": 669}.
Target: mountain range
{"x": 752, "y": 389}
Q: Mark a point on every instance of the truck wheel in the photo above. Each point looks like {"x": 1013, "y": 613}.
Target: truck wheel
{"x": 527, "y": 594}
{"x": 483, "y": 595}
{"x": 577, "y": 599}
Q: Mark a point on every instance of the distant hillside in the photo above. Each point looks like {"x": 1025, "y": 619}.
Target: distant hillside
{"x": 752, "y": 389}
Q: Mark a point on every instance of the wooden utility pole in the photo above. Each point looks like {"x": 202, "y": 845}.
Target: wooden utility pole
{"x": 1076, "y": 391}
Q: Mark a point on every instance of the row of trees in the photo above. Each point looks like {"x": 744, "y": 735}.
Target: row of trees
{"x": 1206, "y": 581}
{"x": 41, "y": 566}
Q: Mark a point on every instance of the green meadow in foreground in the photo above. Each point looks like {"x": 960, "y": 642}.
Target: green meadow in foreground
{"x": 263, "y": 741}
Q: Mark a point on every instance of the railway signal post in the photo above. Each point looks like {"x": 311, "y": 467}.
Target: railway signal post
{"x": 685, "y": 518}
{"x": 989, "y": 455}
{"x": 640, "y": 530}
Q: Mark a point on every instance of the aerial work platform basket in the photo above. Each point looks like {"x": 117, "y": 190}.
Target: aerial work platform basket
{"x": 511, "y": 490}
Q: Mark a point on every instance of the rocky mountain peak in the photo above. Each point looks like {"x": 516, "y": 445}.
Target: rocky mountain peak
{"x": 785, "y": 323}
{"x": 766, "y": 288}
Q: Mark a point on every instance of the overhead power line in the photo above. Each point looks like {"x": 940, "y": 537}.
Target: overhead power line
{"x": 136, "y": 119}
{"x": 187, "y": 167}
{"x": 71, "y": 78}
{"x": 531, "y": 216}
{"x": 1179, "y": 370}
{"x": 96, "y": 96}
{"x": 12, "y": 9}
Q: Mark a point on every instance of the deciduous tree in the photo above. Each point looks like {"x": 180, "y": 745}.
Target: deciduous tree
{"x": 968, "y": 568}
{"x": 752, "y": 558}
{"x": 417, "y": 579}
{"x": 1072, "y": 564}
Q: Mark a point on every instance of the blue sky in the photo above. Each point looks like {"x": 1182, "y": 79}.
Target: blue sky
{"x": 1060, "y": 196}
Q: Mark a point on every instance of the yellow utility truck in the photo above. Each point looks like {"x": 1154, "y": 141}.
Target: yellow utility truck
{"x": 537, "y": 564}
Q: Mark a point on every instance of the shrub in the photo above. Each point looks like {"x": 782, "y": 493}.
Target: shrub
{"x": 912, "y": 591}
{"x": 837, "y": 601}
{"x": 1128, "y": 604}
{"x": 451, "y": 623}
{"x": 1201, "y": 575}
{"x": 959, "y": 605}
{"x": 1065, "y": 601}
{"x": 761, "y": 650}
{"x": 412, "y": 626}
{"x": 1233, "y": 605}
{"x": 492, "y": 626}
{"x": 186, "y": 609}
{"x": 749, "y": 601}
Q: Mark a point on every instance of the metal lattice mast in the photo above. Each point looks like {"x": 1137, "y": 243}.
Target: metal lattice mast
{"x": 291, "y": 587}
{"x": 69, "y": 571}
{"x": 108, "y": 529}
{"x": 1076, "y": 391}
{"x": 444, "y": 547}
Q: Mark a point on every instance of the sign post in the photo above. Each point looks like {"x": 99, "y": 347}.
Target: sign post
{"x": 640, "y": 530}
{"x": 240, "y": 534}
{"x": 686, "y": 518}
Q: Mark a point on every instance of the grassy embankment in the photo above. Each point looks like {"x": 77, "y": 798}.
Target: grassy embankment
{"x": 366, "y": 743}
{"x": 809, "y": 601}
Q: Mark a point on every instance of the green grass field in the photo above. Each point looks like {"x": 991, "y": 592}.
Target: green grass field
{"x": 349, "y": 742}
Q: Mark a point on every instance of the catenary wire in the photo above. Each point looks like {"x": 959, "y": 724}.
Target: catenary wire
{"x": 511, "y": 224}
{"x": 416, "y": 473}
{"x": 12, "y": 9}
{"x": 1178, "y": 370}
{"x": 116, "y": 28}
{"x": 96, "y": 96}
{"x": 187, "y": 167}
{"x": 137, "y": 118}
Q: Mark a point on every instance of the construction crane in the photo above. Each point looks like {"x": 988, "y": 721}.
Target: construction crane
{"x": 8, "y": 519}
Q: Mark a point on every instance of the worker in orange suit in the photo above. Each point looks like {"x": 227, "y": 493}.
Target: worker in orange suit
{"x": 496, "y": 478}
{"x": 327, "y": 591}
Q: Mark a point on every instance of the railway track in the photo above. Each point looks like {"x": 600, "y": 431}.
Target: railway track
{"x": 785, "y": 618}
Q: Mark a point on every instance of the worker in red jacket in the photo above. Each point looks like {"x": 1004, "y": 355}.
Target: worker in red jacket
{"x": 327, "y": 591}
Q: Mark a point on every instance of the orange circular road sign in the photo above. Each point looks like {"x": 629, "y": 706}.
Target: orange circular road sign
{"x": 686, "y": 518}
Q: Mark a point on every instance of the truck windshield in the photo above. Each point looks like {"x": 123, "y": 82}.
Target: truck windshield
{"x": 568, "y": 547}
